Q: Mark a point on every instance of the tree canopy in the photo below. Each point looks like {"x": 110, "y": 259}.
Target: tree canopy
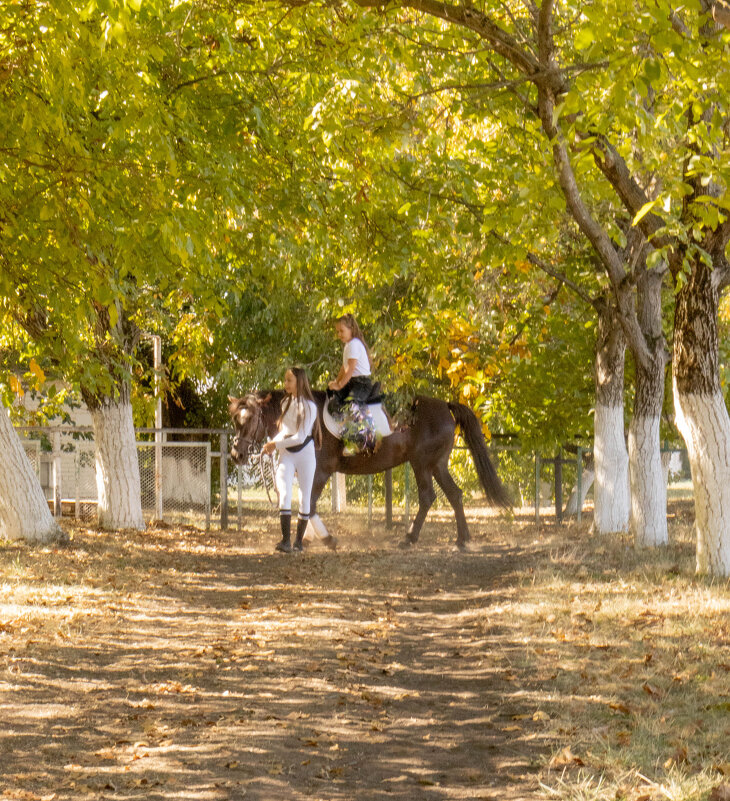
{"x": 234, "y": 177}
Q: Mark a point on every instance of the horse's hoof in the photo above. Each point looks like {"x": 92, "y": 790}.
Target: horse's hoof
{"x": 330, "y": 542}
{"x": 284, "y": 547}
{"x": 464, "y": 547}
{"x": 405, "y": 544}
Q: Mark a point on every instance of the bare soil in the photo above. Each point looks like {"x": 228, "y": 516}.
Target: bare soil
{"x": 184, "y": 664}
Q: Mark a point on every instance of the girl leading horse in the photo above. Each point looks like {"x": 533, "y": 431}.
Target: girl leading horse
{"x": 426, "y": 443}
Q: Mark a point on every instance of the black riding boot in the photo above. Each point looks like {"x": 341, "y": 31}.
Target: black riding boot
{"x": 301, "y": 528}
{"x": 285, "y": 544}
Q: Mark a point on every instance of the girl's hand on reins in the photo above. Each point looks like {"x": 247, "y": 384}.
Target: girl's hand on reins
{"x": 269, "y": 448}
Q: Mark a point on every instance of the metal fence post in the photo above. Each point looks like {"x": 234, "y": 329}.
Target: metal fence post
{"x": 159, "y": 438}
{"x": 224, "y": 481}
{"x": 370, "y": 501}
{"x": 239, "y": 482}
{"x": 389, "y": 499}
{"x": 559, "y": 487}
{"x": 57, "y": 495}
{"x": 579, "y": 483}
{"x": 407, "y": 503}
{"x": 538, "y": 467}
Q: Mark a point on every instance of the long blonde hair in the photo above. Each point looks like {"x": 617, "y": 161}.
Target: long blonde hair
{"x": 350, "y": 321}
{"x": 304, "y": 391}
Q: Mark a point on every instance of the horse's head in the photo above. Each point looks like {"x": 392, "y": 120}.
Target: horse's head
{"x": 253, "y": 419}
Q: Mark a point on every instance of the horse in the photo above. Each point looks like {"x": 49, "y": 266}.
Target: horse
{"x": 426, "y": 443}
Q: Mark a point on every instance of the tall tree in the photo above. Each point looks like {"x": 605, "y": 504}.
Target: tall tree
{"x": 571, "y": 60}
{"x": 121, "y": 131}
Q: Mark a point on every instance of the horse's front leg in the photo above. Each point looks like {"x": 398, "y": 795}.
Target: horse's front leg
{"x": 315, "y": 521}
{"x": 426, "y": 497}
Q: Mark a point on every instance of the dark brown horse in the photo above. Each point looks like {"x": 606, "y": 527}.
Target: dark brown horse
{"x": 427, "y": 444}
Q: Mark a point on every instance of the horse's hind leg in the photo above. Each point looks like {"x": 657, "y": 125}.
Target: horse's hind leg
{"x": 455, "y": 497}
{"x": 426, "y": 497}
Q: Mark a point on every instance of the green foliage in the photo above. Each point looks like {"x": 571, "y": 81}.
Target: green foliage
{"x": 235, "y": 178}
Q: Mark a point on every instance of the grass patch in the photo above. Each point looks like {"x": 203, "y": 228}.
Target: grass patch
{"x": 630, "y": 652}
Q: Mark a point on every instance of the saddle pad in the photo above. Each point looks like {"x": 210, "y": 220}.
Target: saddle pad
{"x": 382, "y": 426}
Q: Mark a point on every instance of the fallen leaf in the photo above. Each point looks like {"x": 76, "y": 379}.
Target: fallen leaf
{"x": 720, "y": 793}
{"x": 565, "y": 758}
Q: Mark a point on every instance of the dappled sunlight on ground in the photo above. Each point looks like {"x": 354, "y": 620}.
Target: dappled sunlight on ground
{"x": 177, "y": 664}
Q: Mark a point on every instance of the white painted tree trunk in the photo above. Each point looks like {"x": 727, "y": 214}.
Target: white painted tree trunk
{"x": 702, "y": 420}
{"x": 24, "y": 513}
{"x": 648, "y": 519}
{"x": 117, "y": 466}
{"x": 611, "y": 486}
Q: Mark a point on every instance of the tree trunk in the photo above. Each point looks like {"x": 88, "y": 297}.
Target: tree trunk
{"x": 648, "y": 487}
{"x": 611, "y": 487}
{"x": 702, "y": 417}
{"x": 117, "y": 465}
{"x": 24, "y": 513}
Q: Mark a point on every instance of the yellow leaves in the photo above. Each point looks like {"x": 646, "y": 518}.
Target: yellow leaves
{"x": 37, "y": 372}
{"x": 35, "y": 377}
{"x": 16, "y": 386}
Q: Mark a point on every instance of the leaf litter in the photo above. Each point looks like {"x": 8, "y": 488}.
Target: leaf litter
{"x": 182, "y": 663}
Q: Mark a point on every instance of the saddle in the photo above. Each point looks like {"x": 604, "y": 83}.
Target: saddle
{"x": 360, "y": 424}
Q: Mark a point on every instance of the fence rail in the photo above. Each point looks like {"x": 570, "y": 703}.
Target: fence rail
{"x": 186, "y": 477}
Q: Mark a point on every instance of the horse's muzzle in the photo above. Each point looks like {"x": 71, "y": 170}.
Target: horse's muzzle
{"x": 240, "y": 450}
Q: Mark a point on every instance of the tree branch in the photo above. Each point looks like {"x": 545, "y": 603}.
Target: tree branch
{"x": 561, "y": 277}
{"x": 721, "y": 13}
{"x": 468, "y": 17}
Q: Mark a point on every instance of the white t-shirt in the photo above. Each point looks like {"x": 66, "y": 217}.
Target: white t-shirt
{"x": 297, "y": 423}
{"x": 354, "y": 349}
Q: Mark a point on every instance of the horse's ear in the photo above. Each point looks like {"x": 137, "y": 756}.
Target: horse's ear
{"x": 264, "y": 401}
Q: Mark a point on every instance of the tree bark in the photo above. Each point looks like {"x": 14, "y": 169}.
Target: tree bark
{"x": 24, "y": 513}
{"x": 611, "y": 487}
{"x": 702, "y": 416}
{"x": 648, "y": 519}
{"x": 117, "y": 465}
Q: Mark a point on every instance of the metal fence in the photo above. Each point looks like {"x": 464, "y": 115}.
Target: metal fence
{"x": 175, "y": 476}
{"x": 186, "y": 477}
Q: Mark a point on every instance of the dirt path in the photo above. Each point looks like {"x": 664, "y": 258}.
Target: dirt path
{"x": 185, "y": 665}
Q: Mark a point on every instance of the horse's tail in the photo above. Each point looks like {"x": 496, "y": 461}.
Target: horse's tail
{"x": 472, "y": 432}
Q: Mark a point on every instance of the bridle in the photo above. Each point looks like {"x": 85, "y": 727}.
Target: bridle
{"x": 258, "y": 433}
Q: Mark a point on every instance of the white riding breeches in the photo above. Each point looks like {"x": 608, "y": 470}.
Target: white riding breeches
{"x": 303, "y": 464}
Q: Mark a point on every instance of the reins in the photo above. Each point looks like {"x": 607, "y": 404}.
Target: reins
{"x": 268, "y": 471}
